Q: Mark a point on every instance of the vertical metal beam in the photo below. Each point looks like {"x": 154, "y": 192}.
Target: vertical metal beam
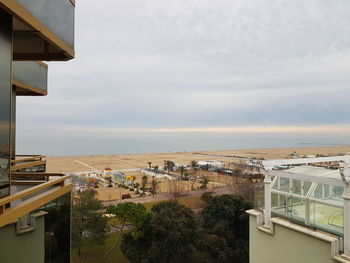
{"x": 13, "y": 124}
{"x": 5, "y": 100}
{"x": 267, "y": 211}
{"x": 346, "y": 197}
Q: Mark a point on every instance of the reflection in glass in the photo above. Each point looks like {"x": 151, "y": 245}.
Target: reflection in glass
{"x": 57, "y": 15}
{"x": 58, "y": 229}
{"x": 327, "y": 218}
{"x": 5, "y": 100}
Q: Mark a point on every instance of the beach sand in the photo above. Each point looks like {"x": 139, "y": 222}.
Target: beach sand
{"x": 131, "y": 161}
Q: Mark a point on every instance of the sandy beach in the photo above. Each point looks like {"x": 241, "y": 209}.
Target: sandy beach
{"x": 131, "y": 161}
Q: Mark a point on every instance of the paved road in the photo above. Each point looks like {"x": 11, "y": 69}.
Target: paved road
{"x": 169, "y": 196}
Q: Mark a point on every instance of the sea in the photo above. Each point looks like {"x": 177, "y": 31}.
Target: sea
{"x": 67, "y": 145}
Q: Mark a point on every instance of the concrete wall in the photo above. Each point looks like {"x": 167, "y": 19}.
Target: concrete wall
{"x": 25, "y": 248}
{"x": 286, "y": 246}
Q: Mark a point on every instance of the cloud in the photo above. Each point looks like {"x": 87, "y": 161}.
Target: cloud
{"x": 199, "y": 63}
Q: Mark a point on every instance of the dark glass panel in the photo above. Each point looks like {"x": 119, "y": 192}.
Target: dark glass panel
{"x": 5, "y": 100}
{"x": 58, "y": 229}
{"x": 56, "y": 15}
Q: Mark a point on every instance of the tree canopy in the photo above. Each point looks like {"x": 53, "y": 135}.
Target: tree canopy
{"x": 87, "y": 218}
{"x": 225, "y": 228}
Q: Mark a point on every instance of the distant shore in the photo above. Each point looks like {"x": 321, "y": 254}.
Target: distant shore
{"x": 132, "y": 161}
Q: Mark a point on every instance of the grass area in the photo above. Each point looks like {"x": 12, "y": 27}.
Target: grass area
{"x": 93, "y": 254}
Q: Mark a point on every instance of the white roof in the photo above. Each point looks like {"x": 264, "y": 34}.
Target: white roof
{"x": 270, "y": 164}
{"x": 315, "y": 171}
{"x": 311, "y": 174}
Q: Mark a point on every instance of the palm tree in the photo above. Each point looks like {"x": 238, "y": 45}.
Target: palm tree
{"x": 194, "y": 165}
{"x": 182, "y": 170}
{"x": 156, "y": 168}
{"x": 144, "y": 182}
{"x": 149, "y": 165}
{"x": 169, "y": 165}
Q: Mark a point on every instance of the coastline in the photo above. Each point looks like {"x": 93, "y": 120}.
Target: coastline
{"x": 140, "y": 160}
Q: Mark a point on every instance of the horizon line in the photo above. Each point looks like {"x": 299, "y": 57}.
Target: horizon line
{"x": 333, "y": 128}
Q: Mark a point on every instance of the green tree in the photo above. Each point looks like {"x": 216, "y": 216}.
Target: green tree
{"x": 126, "y": 213}
{"x": 182, "y": 170}
{"x": 225, "y": 230}
{"x": 186, "y": 176}
{"x": 169, "y": 165}
{"x": 173, "y": 232}
{"x": 154, "y": 186}
{"x": 144, "y": 182}
{"x": 135, "y": 243}
{"x": 204, "y": 182}
{"x": 194, "y": 165}
{"x": 87, "y": 219}
{"x": 156, "y": 168}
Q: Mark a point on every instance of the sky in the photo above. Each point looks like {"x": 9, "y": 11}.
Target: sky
{"x": 191, "y": 67}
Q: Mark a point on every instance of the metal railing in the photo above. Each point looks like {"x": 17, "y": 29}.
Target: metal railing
{"x": 16, "y": 205}
{"x": 23, "y": 162}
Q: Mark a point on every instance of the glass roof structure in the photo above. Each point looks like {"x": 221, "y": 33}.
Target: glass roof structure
{"x": 312, "y": 192}
{"x": 315, "y": 203}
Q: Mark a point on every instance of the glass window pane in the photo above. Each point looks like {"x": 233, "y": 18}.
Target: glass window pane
{"x": 296, "y": 186}
{"x": 306, "y": 187}
{"x": 327, "y": 218}
{"x": 276, "y": 184}
{"x": 284, "y": 184}
{"x": 318, "y": 192}
{"x": 338, "y": 191}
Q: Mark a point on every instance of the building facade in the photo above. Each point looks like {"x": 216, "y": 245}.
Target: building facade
{"x": 302, "y": 213}
{"x": 35, "y": 206}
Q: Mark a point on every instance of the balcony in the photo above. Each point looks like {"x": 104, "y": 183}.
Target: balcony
{"x": 42, "y": 29}
{"x": 26, "y": 198}
{"x": 30, "y": 78}
{"x": 28, "y": 163}
{"x": 36, "y": 217}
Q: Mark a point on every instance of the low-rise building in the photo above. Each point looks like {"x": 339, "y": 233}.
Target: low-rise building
{"x": 303, "y": 215}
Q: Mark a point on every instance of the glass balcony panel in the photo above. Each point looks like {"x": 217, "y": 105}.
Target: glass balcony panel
{"x": 259, "y": 198}
{"x": 58, "y": 229}
{"x": 297, "y": 210}
{"x": 56, "y": 15}
{"x": 33, "y": 75}
{"x": 327, "y": 218}
{"x": 5, "y": 101}
{"x": 280, "y": 205}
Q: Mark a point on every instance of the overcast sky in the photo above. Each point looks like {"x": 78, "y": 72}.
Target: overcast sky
{"x": 159, "y": 65}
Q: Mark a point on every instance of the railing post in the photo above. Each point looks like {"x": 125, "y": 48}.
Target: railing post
{"x": 267, "y": 211}
{"x": 346, "y": 197}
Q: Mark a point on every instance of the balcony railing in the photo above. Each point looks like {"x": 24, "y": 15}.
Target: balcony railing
{"x": 57, "y": 15}
{"x": 23, "y": 202}
{"x": 28, "y": 163}
{"x": 42, "y": 29}
{"x": 30, "y": 78}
